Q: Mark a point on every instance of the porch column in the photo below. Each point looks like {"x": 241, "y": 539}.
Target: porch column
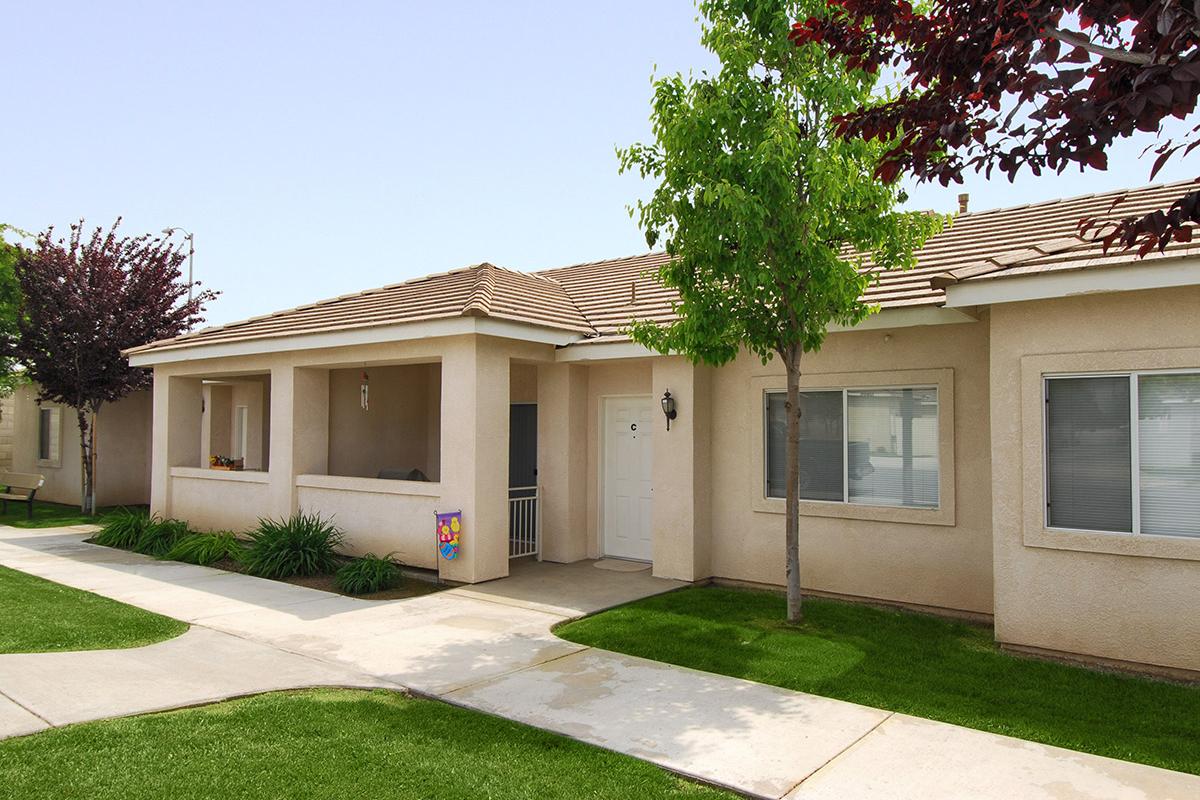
{"x": 475, "y": 400}
{"x": 681, "y": 518}
{"x": 178, "y": 404}
{"x": 299, "y": 432}
{"x": 562, "y": 461}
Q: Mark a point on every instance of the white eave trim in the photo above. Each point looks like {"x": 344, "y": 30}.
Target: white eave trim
{"x": 452, "y": 326}
{"x": 910, "y": 317}
{"x": 907, "y": 317}
{"x": 603, "y": 351}
{"x": 1046, "y": 285}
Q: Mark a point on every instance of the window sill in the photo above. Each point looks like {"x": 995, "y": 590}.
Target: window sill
{"x": 52, "y": 464}
{"x": 814, "y": 508}
{"x": 1141, "y": 545}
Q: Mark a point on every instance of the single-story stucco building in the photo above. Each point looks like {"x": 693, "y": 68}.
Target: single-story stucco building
{"x": 45, "y": 441}
{"x": 1015, "y": 434}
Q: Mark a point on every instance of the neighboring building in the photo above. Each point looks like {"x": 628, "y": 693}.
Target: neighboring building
{"x": 1016, "y": 433}
{"x": 46, "y": 441}
{"x": 7, "y": 404}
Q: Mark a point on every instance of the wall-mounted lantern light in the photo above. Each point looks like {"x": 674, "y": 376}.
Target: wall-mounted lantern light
{"x": 668, "y": 407}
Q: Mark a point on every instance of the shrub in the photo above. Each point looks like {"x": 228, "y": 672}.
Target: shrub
{"x": 367, "y": 575}
{"x": 303, "y": 544}
{"x": 159, "y": 536}
{"x": 205, "y": 548}
{"x": 122, "y": 528}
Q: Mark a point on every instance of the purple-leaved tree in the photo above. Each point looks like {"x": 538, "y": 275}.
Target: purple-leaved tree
{"x": 86, "y": 300}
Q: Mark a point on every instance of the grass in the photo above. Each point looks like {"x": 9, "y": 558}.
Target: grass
{"x": 912, "y": 663}
{"x": 319, "y": 744}
{"x": 40, "y": 616}
{"x": 50, "y": 515}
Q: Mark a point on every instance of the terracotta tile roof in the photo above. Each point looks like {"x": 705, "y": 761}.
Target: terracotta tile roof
{"x": 596, "y": 300}
{"x": 1043, "y": 237}
{"x": 482, "y": 290}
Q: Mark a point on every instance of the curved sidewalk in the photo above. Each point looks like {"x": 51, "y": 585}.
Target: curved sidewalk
{"x": 490, "y": 648}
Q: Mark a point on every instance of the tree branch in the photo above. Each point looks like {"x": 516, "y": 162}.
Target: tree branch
{"x": 1115, "y": 53}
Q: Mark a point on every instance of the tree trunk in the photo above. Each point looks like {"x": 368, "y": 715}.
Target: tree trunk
{"x": 791, "y": 359}
{"x": 87, "y": 454}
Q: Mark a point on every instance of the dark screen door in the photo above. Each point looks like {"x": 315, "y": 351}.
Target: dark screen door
{"x": 522, "y": 445}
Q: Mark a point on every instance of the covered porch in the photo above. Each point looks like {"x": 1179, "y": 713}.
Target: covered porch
{"x": 547, "y": 457}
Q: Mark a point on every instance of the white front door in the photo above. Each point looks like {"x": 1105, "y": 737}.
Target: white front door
{"x": 628, "y": 455}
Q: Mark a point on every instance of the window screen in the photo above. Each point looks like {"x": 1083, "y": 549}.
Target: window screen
{"x": 821, "y": 446}
{"x": 893, "y": 447}
{"x": 1088, "y": 454}
{"x": 1169, "y": 453}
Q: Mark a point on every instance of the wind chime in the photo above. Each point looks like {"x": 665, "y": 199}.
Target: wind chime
{"x": 364, "y": 392}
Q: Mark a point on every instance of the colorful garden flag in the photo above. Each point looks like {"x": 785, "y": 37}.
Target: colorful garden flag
{"x": 449, "y": 527}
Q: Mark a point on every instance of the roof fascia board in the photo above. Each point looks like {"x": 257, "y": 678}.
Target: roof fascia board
{"x": 907, "y": 317}
{"x": 603, "y": 351}
{"x": 1048, "y": 285}
{"x": 453, "y": 326}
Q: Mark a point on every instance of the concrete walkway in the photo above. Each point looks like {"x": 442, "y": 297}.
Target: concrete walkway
{"x": 489, "y": 648}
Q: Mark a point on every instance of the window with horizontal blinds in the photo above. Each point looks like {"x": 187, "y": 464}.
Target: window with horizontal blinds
{"x": 820, "y": 445}
{"x": 893, "y": 447}
{"x": 1169, "y": 454}
{"x": 1088, "y": 466}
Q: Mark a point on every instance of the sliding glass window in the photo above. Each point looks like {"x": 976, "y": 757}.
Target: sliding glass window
{"x": 861, "y": 446}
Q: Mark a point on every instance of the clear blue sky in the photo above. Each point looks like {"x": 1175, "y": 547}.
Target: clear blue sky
{"x": 323, "y": 148}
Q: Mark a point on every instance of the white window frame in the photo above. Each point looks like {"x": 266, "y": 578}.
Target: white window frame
{"x": 1135, "y": 470}
{"x": 846, "y": 390}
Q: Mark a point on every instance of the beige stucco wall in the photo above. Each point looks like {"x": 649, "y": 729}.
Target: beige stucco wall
{"x": 381, "y": 517}
{"x": 938, "y": 558}
{"x": 1108, "y": 595}
{"x": 395, "y": 430}
{"x": 218, "y": 501}
{"x": 122, "y": 450}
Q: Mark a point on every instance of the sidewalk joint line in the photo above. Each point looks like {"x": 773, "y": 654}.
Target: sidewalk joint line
{"x": 21, "y": 705}
{"x": 840, "y": 753}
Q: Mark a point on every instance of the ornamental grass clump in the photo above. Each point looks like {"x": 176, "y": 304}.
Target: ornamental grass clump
{"x": 122, "y": 528}
{"x": 303, "y": 544}
{"x": 206, "y": 548}
{"x": 159, "y": 536}
{"x": 367, "y": 575}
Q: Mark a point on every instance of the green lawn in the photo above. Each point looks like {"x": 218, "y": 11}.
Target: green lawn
{"x": 49, "y": 515}
{"x": 38, "y": 616}
{"x": 913, "y": 663}
{"x": 323, "y": 744}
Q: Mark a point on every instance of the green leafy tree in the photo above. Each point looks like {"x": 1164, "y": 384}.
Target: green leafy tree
{"x": 11, "y": 374}
{"x": 769, "y": 215}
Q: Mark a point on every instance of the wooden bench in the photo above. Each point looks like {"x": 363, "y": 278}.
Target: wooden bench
{"x": 20, "y": 487}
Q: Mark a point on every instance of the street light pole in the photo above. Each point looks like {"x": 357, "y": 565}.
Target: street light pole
{"x": 191, "y": 240}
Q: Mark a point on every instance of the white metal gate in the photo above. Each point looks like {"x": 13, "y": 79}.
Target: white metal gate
{"x": 523, "y": 522}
